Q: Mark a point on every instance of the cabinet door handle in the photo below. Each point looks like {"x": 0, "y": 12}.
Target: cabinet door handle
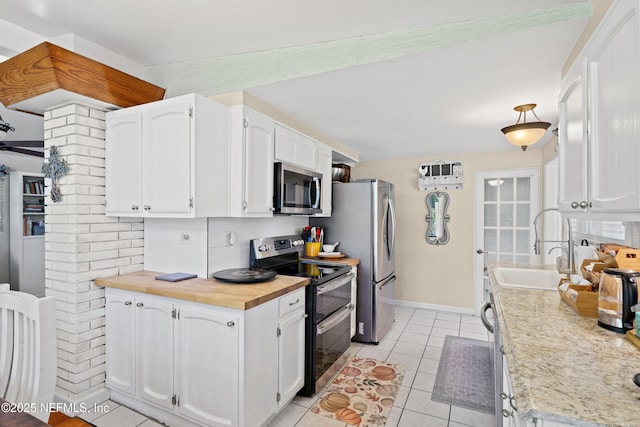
{"x": 134, "y": 207}
{"x": 503, "y": 396}
{"x": 139, "y": 304}
{"x": 574, "y": 205}
{"x": 295, "y": 302}
{"x": 506, "y": 413}
{"x": 584, "y": 204}
{"x": 147, "y": 207}
{"x": 127, "y": 303}
{"x": 231, "y": 323}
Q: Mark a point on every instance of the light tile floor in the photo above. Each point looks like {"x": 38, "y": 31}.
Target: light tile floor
{"x": 415, "y": 340}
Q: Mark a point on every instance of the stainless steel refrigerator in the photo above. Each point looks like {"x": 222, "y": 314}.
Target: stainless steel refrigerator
{"x": 363, "y": 220}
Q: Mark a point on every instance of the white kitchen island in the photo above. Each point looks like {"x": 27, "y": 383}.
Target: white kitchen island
{"x": 201, "y": 352}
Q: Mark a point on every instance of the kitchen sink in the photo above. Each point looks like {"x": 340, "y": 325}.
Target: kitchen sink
{"x": 530, "y": 278}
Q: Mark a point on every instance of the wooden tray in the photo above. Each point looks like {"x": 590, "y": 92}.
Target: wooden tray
{"x": 628, "y": 258}
{"x": 631, "y": 336}
{"x": 586, "y": 304}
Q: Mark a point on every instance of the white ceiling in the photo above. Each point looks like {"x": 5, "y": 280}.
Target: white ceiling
{"x": 445, "y": 100}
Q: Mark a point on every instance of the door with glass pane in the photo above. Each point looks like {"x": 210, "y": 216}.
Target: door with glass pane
{"x": 506, "y": 203}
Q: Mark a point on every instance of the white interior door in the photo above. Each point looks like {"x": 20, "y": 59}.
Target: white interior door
{"x": 506, "y": 204}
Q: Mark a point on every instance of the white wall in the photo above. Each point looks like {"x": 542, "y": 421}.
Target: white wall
{"x": 441, "y": 275}
{"x": 214, "y": 244}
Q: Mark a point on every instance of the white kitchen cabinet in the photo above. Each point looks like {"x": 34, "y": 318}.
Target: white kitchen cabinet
{"x": 190, "y": 364}
{"x": 139, "y": 334}
{"x": 572, "y": 138}
{"x": 324, "y": 167}
{"x": 120, "y": 335}
{"x": 154, "y": 350}
{"x": 600, "y": 119}
{"x": 251, "y": 159}
{"x": 291, "y": 354}
{"x": 295, "y": 148}
{"x": 509, "y": 414}
{"x": 614, "y": 107}
{"x": 165, "y": 159}
{"x": 207, "y": 378}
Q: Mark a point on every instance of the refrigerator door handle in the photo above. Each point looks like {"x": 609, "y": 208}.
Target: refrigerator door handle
{"x": 392, "y": 216}
{"x": 389, "y": 281}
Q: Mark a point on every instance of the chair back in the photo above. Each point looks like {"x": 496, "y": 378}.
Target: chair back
{"x": 27, "y": 349}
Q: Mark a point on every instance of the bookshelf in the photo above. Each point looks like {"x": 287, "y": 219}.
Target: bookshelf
{"x": 26, "y": 232}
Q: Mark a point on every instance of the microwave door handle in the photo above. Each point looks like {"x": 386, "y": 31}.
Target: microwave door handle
{"x": 316, "y": 180}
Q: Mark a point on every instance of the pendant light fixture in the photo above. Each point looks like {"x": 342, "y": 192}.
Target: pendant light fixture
{"x": 526, "y": 133}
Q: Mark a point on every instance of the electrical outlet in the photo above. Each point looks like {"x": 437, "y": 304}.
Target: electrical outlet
{"x": 185, "y": 238}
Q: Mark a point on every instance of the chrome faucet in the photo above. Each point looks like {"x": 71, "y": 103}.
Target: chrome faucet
{"x": 570, "y": 244}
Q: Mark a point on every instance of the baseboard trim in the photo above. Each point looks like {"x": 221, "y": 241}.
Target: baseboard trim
{"x": 448, "y": 308}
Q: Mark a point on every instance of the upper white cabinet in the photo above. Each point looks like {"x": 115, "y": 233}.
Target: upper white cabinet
{"x": 324, "y": 167}
{"x": 614, "y": 107}
{"x": 251, "y": 159}
{"x": 572, "y": 136}
{"x": 295, "y": 148}
{"x": 164, "y": 159}
{"x": 600, "y": 119}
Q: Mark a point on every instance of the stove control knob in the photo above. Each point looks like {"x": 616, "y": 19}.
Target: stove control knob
{"x": 263, "y": 248}
{"x": 297, "y": 242}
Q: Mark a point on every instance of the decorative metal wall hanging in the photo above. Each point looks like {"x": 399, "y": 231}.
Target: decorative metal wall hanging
{"x": 437, "y": 218}
{"x": 55, "y": 168}
{"x": 440, "y": 175}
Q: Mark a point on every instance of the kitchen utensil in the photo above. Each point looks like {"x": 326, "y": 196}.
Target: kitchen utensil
{"x": 244, "y": 275}
{"x": 311, "y": 249}
{"x": 330, "y": 248}
{"x": 331, "y": 255}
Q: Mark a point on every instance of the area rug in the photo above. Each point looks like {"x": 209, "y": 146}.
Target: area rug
{"x": 362, "y": 394}
{"x": 464, "y": 376}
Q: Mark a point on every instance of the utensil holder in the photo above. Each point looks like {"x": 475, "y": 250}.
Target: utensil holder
{"x": 311, "y": 249}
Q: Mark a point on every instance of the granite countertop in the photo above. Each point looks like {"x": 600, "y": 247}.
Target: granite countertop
{"x": 207, "y": 291}
{"x": 564, "y": 367}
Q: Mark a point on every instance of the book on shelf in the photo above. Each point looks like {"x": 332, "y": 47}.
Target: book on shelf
{"x": 34, "y": 187}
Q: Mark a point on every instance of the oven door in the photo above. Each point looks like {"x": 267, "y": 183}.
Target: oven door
{"x": 333, "y": 339}
{"x": 332, "y": 296}
{"x": 296, "y": 191}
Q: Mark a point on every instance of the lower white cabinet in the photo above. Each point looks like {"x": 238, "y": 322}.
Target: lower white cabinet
{"x": 191, "y": 364}
{"x": 290, "y": 346}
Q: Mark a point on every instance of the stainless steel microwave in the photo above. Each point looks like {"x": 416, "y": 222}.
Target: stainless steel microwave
{"x": 297, "y": 191}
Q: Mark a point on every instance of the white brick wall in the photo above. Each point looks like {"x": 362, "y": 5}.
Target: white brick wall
{"x": 81, "y": 244}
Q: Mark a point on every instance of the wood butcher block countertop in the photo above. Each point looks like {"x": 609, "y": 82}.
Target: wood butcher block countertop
{"x": 348, "y": 261}
{"x": 206, "y": 291}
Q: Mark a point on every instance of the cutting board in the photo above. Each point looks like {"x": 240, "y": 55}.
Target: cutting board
{"x": 631, "y": 336}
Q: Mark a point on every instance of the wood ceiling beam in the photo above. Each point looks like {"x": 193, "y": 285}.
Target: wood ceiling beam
{"x": 47, "y": 67}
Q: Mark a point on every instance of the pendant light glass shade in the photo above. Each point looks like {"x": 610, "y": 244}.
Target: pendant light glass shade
{"x": 526, "y": 133}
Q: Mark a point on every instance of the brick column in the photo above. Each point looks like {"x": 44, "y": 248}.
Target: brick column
{"x": 81, "y": 244}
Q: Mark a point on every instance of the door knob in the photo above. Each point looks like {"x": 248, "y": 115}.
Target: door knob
{"x": 480, "y": 251}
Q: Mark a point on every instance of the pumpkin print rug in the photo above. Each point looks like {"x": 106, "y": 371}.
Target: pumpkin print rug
{"x": 362, "y": 394}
